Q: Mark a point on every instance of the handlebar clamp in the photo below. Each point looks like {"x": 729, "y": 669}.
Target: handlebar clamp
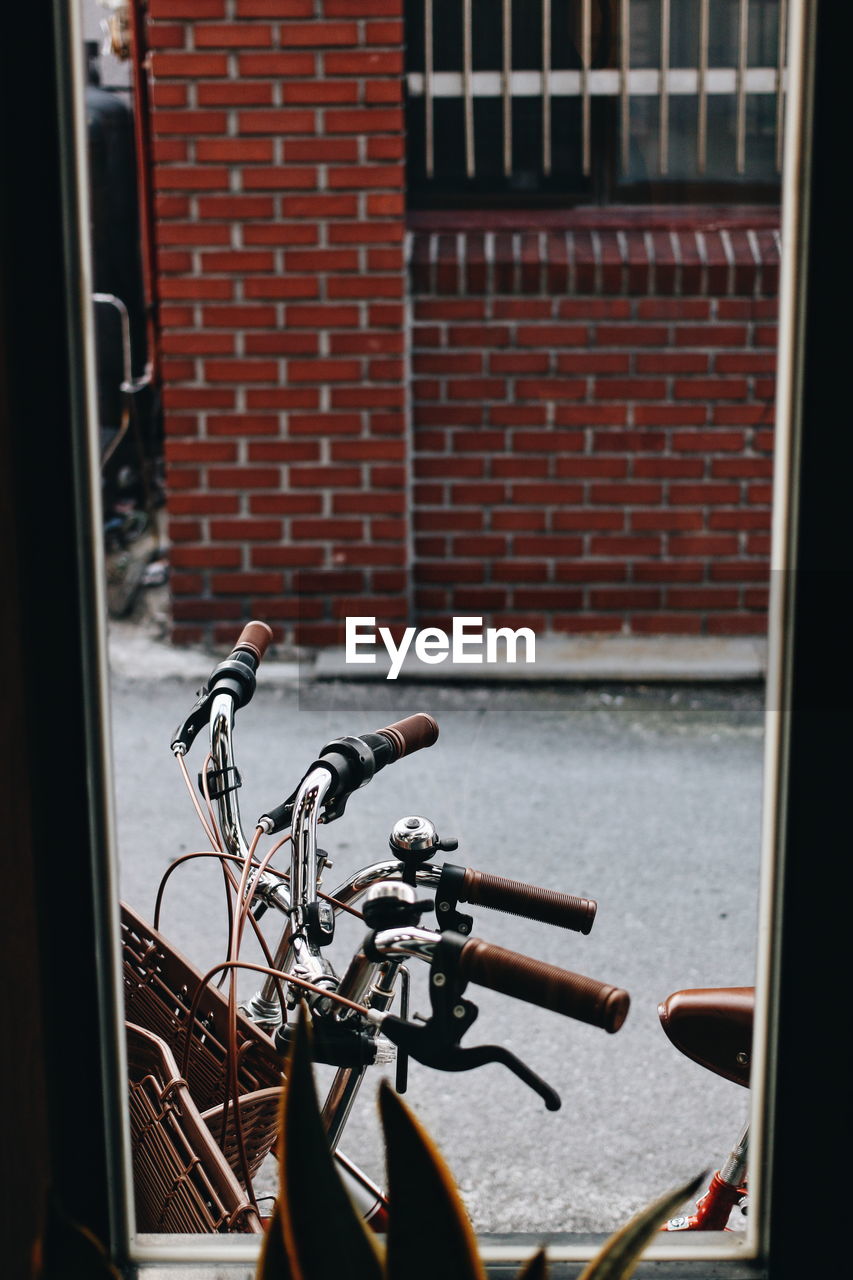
{"x": 447, "y": 895}
{"x": 221, "y": 781}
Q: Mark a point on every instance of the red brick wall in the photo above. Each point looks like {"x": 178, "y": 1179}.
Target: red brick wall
{"x": 279, "y": 178}
{"x": 585, "y": 440}
{"x": 596, "y": 462}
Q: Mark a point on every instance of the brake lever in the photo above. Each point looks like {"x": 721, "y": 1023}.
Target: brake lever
{"x": 485, "y": 1053}
{"x": 426, "y": 1043}
{"x": 280, "y": 817}
{"x": 185, "y": 734}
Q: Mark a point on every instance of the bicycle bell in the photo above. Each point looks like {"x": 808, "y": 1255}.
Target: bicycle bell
{"x": 390, "y": 904}
{"x": 414, "y": 840}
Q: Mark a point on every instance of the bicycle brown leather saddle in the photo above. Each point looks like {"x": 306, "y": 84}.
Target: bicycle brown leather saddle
{"x": 712, "y": 1026}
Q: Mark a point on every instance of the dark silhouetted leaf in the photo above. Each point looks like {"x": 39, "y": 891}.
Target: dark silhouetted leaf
{"x": 429, "y": 1234}
{"x": 536, "y": 1268}
{"x": 617, "y": 1258}
{"x": 273, "y": 1263}
{"x": 324, "y": 1235}
{"x": 70, "y": 1251}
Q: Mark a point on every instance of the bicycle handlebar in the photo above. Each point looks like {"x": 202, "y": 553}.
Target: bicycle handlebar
{"x": 235, "y": 676}
{"x": 546, "y": 905}
{"x": 472, "y": 960}
{"x": 412, "y": 734}
{"x": 546, "y": 985}
{"x": 343, "y": 766}
{"x": 255, "y": 637}
{"x": 352, "y": 762}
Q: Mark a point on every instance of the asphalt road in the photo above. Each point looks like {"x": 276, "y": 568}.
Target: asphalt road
{"x": 647, "y": 800}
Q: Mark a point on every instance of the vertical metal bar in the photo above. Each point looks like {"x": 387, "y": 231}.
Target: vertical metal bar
{"x": 663, "y": 154}
{"x": 428, "y": 98}
{"x": 742, "y": 50}
{"x": 624, "y": 69}
{"x": 586, "y": 58}
{"x": 142, "y": 130}
{"x": 702, "y": 104}
{"x": 506, "y": 85}
{"x": 467, "y": 87}
{"x": 546, "y": 86}
{"x": 780, "y": 88}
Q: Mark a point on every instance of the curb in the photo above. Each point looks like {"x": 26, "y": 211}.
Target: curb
{"x": 136, "y": 654}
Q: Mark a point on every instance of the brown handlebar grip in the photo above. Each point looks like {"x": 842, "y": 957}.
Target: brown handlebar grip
{"x": 255, "y": 637}
{"x": 528, "y": 900}
{"x": 411, "y": 734}
{"x": 552, "y": 988}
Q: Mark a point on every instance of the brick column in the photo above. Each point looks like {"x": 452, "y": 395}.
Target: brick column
{"x": 279, "y": 176}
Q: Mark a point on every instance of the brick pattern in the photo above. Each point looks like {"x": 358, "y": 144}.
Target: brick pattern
{"x": 590, "y": 421}
{"x": 706, "y": 259}
{"x": 594, "y": 464}
{"x": 278, "y": 169}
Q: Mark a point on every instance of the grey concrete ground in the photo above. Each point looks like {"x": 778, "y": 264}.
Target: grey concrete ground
{"x": 647, "y": 799}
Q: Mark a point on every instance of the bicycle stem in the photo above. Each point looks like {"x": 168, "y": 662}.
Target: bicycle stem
{"x": 374, "y": 980}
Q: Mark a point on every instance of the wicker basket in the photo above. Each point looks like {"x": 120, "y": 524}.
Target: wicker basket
{"x": 159, "y": 986}
{"x": 182, "y": 1182}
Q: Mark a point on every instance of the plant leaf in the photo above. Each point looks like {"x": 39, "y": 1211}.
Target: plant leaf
{"x": 536, "y": 1268}
{"x": 273, "y": 1263}
{"x": 71, "y": 1250}
{"x": 323, "y": 1232}
{"x": 616, "y": 1259}
{"x": 429, "y": 1233}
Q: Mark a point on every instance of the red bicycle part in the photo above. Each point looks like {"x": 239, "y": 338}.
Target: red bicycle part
{"x": 712, "y": 1211}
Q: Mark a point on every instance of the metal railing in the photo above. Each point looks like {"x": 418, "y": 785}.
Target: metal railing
{"x": 617, "y": 80}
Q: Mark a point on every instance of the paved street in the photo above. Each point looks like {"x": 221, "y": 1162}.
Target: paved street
{"x": 646, "y": 799}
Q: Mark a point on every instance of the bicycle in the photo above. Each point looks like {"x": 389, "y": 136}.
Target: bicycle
{"x": 353, "y": 1026}
{"x": 713, "y": 1027}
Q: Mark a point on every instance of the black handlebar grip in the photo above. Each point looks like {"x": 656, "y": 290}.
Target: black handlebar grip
{"x": 552, "y": 988}
{"x": 528, "y": 900}
{"x": 410, "y": 735}
{"x": 255, "y": 637}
